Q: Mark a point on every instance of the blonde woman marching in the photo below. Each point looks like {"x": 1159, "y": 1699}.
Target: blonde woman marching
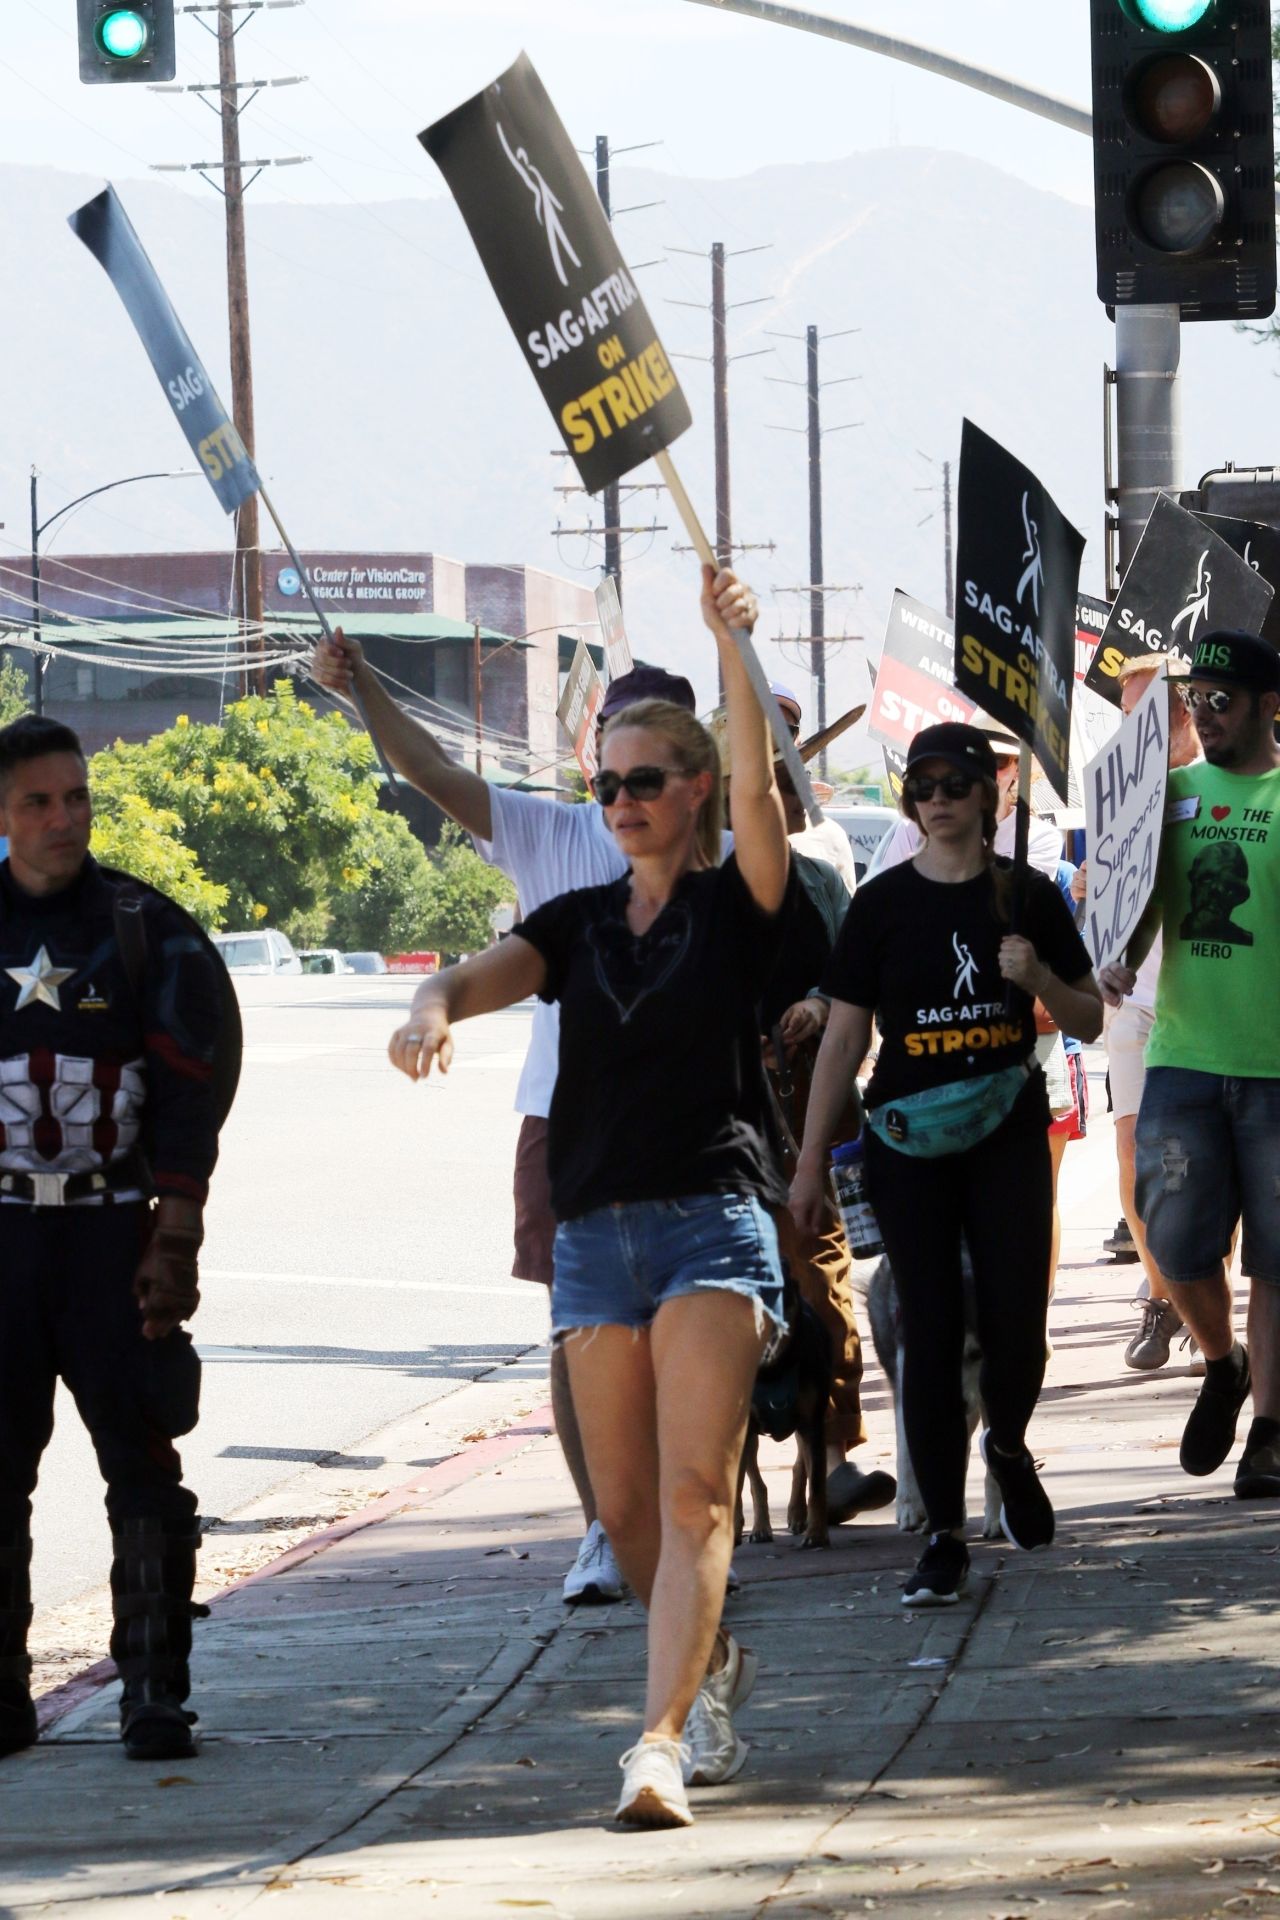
{"x": 668, "y": 1285}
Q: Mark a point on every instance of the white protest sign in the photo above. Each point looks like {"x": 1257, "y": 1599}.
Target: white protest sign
{"x": 579, "y": 708}
{"x": 1124, "y": 792}
{"x": 617, "y": 648}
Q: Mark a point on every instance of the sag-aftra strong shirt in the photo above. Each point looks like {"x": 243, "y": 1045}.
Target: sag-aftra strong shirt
{"x": 1219, "y": 889}
{"x": 923, "y": 956}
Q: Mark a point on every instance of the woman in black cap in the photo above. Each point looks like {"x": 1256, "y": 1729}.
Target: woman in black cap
{"x": 956, "y": 1133}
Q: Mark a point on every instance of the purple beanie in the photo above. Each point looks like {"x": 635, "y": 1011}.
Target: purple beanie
{"x": 647, "y": 683}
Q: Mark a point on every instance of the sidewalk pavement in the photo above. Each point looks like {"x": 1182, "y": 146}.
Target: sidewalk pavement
{"x": 402, "y": 1717}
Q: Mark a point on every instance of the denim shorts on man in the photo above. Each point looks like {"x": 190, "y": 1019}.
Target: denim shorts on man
{"x": 615, "y": 1266}
{"x": 1208, "y": 1154}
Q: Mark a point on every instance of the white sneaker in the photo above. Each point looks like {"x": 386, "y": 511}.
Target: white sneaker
{"x": 715, "y": 1752}
{"x": 653, "y": 1792}
{"x": 593, "y": 1579}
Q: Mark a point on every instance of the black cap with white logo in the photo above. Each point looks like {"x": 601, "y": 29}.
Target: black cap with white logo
{"x": 958, "y": 745}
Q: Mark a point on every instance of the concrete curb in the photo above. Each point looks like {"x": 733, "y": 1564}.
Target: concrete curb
{"x": 416, "y": 1493}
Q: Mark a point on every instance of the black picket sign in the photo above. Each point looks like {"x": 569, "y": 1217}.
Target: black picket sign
{"x": 109, "y": 234}
{"x": 1017, "y": 573}
{"x": 550, "y": 253}
{"x": 1259, "y": 547}
{"x": 1182, "y": 582}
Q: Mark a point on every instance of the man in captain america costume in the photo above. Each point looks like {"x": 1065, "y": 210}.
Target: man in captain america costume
{"x": 108, "y": 1136}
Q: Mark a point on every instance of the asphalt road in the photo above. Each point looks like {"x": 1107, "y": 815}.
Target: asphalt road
{"x": 357, "y": 1262}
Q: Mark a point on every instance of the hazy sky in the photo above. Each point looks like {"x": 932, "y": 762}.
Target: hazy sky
{"x": 723, "y": 94}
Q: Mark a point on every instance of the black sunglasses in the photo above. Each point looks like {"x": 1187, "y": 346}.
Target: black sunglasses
{"x": 642, "y": 783}
{"x": 922, "y": 786}
{"x": 1217, "y": 701}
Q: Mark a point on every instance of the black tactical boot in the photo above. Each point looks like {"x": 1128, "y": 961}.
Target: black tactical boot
{"x": 152, "y": 1576}
{"x": 17, "y": 1712}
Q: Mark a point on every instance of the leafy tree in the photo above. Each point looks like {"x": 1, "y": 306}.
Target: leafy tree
{"x": 15, "y": 698}
{"x": 279, "y": 805}
{"x": 147, "y": 841}
{"x": 462, "y": 893}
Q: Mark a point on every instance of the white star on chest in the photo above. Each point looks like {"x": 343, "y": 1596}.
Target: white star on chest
{"x": 39, "y": 981}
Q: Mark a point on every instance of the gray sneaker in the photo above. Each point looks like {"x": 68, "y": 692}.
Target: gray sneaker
{"x": 1149, "y": 1347}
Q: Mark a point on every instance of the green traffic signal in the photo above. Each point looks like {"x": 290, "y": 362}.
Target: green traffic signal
{"x": 124, "y": 34}
{"x": 1167, "y": 16}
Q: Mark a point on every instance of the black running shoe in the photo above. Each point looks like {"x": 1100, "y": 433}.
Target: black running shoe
{"x": 1026, "y": 1515}
{"x": 1258, "y": 1474}
{"x": 1210, "y": 1432}
{"x": 942, "y": 1574}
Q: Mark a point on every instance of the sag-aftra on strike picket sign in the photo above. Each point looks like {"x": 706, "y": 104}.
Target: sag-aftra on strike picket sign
{"x": 555, "y": 266}
{"x": 1017, "y": 570}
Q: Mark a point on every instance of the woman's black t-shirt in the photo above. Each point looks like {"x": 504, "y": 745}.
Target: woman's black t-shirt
{"x": 660, "y": 1091}
{"x": 923, "y": 955}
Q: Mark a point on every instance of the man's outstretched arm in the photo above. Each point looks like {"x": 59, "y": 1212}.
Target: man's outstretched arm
{"x": 341, "y": 668}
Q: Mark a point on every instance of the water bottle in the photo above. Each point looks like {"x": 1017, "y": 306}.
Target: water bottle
{"x": 849, "y": 1178}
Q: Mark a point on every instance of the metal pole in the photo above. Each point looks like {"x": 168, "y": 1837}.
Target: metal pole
{"x": 817, "y": 595}
{"x": 612, "y": 498}
{"x": 948, "y": 551}
{"x": 1148, "y": 416}
{"x": 720, "y": 385}
{"x": 248, "y": 542}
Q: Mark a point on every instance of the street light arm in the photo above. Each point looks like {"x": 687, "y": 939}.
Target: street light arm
{"x": 184, "y": 473}
{"x": 1000, "y": 86}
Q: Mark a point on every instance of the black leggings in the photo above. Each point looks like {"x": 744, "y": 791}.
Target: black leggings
{"x": 999, "y": 1196}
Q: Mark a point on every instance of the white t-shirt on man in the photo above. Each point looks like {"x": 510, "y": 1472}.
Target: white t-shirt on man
{"x": 546, "y": 847}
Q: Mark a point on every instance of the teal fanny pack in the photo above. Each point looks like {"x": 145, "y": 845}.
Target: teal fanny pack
{"x": 952, "y": 1118}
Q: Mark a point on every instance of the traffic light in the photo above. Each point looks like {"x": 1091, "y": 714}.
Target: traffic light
{"x": 126, "y": 43}
{"x": 1184, "y": 156}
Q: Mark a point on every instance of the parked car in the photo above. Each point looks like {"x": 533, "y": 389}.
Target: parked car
{"x": 413, "y": 963}
{"x": 866, "y": 826}
{"x": 365, "y": 963}
{"x": 322, "y": 960}
{"x": 266, "y": 951}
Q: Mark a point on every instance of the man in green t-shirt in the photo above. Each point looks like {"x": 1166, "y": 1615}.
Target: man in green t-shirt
{"x": 1208, "y": 1133}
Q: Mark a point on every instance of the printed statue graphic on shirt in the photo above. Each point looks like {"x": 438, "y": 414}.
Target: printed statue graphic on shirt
{"x": 1219, "y": 881}
{"x": 967, "y": 975}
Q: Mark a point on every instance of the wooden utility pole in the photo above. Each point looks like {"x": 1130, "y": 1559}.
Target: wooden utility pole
{"x": 248, "y": 541}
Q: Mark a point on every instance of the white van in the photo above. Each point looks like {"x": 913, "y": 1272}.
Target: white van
{"x": 265, "y": 951}
{"x": 866, "y": 826}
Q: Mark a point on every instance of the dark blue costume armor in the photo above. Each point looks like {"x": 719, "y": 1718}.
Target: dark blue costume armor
{"x": 106, "y": 1100}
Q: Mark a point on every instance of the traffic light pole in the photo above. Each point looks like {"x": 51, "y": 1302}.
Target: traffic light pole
{"x": 1148, "y": 417}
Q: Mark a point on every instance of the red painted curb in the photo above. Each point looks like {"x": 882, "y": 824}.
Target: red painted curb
{"x": 442, "y": 1478}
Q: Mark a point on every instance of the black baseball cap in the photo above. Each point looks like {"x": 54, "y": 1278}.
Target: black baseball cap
{"x": 960, "y": 746}
{"x": 1237, "y": 660}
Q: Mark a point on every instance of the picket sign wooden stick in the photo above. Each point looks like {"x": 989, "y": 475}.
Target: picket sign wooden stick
{"x": 750, "y": 658}
{"x": 327, "y": 630}
{"x": 1021, "y": 844}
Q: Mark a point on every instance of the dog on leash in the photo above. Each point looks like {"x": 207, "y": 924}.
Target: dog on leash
{"x": 885, "y": 1315}
{"x": 791, "y": 1396}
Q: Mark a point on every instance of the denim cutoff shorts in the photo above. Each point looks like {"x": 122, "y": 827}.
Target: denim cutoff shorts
{"x": 1208, "y": 1154}
{"x": 617, "y": 1265}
